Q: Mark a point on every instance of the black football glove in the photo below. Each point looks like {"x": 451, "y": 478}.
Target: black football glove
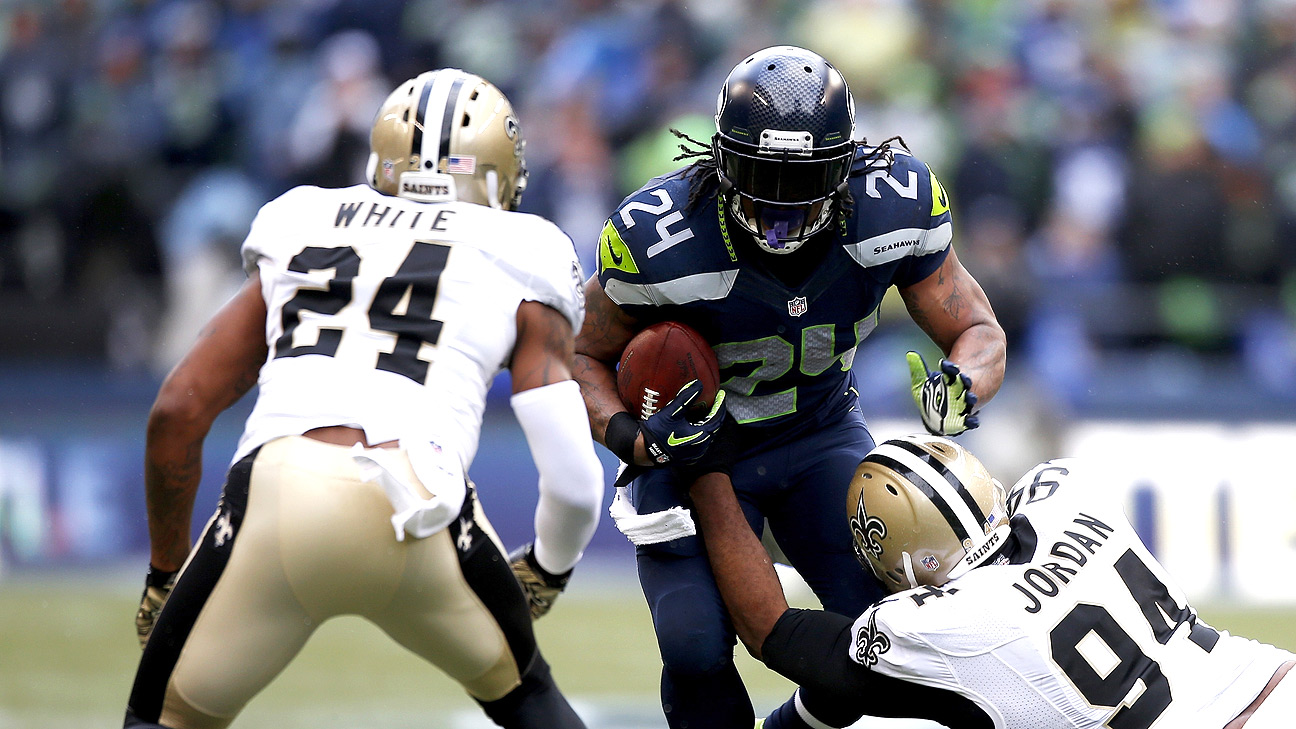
{"x": 725, "y": 450}
{"x": 541, "y": 587}
{"x": 944, "y": 398}
{"x": 669, "y": 435}
{"x": 157, "y": 587}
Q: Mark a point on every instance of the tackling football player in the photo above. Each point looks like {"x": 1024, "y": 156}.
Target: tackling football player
{"x": 374, "y": 319}
{"x": 1034, "y": 608}
{"x": 777, "y": 243}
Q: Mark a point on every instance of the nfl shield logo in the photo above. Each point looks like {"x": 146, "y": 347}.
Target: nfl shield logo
{"x": 930, "y": 563}
{"x": 797, "y": 306}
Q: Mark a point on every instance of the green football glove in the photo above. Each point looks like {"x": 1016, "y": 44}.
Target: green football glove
{"x": 944, "y": 398}
{"x": 540, "y": 586}
{"x": 157, "y": 587}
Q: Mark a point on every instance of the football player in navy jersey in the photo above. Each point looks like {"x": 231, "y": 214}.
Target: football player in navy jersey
{"x": 777, "y": 243}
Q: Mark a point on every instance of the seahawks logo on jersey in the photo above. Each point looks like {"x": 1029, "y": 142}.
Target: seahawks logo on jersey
{"x": 871, "y": 643}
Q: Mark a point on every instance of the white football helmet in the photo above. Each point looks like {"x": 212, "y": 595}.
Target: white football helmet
{"x": 448, "y": 135}
{"x": 923, "y": 511}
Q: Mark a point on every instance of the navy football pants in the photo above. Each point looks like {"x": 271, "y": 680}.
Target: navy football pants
{"x": 801, "y": 488}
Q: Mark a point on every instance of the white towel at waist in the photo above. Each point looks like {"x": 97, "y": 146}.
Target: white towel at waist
{"x": 658, "y": 526}
{"x": 442, "y": 476}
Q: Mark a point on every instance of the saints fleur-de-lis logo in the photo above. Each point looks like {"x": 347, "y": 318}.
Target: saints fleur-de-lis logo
{"x": 867, "y": 533}
{"x": 871, "y": 643}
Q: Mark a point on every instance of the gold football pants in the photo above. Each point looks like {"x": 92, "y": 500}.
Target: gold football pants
{"x": 297, "y": 539}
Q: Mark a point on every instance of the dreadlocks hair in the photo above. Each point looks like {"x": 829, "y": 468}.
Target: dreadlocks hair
{"x": 879, "y": 157}
{"x": 703, "y": 173}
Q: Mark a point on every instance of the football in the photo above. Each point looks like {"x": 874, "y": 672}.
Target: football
{"x": 659, "y": 361}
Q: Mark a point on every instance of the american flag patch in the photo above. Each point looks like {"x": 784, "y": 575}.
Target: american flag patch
{"x": 464, "y": 165}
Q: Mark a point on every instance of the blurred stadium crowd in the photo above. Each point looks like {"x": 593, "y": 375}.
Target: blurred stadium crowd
{"x": 1122, "y": 172}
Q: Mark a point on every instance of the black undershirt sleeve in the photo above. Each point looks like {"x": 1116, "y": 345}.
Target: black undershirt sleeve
{"x": 812, "y": 649}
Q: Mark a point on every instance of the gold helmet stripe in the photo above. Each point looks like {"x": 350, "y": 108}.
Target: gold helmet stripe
{"x": 928, "y": 481}
{"x": 946, "y": 474}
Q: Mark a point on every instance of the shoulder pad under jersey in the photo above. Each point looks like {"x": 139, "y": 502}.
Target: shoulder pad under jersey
{"x": 900, "y": 208}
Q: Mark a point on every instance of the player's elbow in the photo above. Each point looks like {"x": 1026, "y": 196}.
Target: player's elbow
{"x": 178, "y": 411}
{"x": 577, "y": 488}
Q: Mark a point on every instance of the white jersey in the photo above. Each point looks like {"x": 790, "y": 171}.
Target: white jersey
{"x": 394, "y": 316}
{"x": 1084, "y": 629}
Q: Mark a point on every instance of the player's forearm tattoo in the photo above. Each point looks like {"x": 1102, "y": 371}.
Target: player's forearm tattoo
{"x": 955, "y": 303}
{"x": 558, "y": 343}
{"x": 597, "y": 333}
{"x": 555, "y": 336}
{"x": 172, "y": 484}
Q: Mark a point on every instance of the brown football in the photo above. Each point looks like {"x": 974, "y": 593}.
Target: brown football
{"x": 660, "y": 360}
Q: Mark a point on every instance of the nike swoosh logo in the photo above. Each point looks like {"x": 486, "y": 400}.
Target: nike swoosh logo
{"x": 671, "y": 440}
{"x": 617, "y": 258}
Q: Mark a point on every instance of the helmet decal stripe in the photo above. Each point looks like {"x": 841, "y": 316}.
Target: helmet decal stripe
{"x": 417, "y": 146}
{"x": 447, "y": 121}
{"x": 946, "y": 474}
{"x": 938, "y": 500}
{"x": 434, "y": 118}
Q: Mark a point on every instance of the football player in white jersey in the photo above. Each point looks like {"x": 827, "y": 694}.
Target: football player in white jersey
{"x": 374, "y": 319}
{"x": 1034, "y": 608}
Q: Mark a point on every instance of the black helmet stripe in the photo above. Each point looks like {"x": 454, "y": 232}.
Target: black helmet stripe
{"x": 452, "y": 103}
{"x": 928, "y": 490}
{"x": 417, "y": 143}
{"x": 946, "y": 474}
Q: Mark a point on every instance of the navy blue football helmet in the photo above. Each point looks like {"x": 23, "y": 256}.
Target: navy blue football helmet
{"x": 783, "y": 144}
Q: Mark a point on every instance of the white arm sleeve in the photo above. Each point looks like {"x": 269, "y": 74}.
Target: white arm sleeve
{"x": 556, "y": 425}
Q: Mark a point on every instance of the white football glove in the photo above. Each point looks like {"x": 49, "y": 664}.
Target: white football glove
{"x": 944, "y": 398}
{"x": 540, "y": 586}
{"x": 157, "y": 587}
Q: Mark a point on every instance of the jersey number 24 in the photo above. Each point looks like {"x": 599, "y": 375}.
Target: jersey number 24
{"x": 417, "y": 278}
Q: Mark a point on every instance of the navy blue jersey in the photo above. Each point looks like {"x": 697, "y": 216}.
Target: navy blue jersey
{"x": 785, "y": 351}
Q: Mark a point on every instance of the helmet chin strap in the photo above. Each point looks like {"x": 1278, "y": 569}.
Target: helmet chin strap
{"x": 907, "y": 562}
{"x": 492, "y": 189}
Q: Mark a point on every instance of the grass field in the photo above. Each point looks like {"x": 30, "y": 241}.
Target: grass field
{"x": 68, "y": 654}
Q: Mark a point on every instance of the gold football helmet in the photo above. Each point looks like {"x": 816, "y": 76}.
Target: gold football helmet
{"x": 923, "y": 511}
{"x": 448, "y": 135}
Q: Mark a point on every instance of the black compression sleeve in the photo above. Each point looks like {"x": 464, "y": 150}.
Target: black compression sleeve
{"x": 812, "y": 649}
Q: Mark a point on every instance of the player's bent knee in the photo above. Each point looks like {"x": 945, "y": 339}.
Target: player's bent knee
{"x": 692, "y": 641}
